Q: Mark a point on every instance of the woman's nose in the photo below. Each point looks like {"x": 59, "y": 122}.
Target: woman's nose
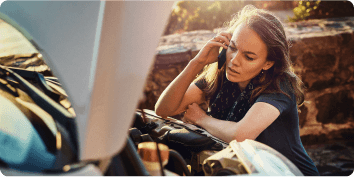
{"x": 235, "y": 58}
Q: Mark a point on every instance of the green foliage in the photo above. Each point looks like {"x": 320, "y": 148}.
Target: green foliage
{"x": 321, "y": 9}
{"x": 303, "y": 10}
{"x": 196, "y": 15}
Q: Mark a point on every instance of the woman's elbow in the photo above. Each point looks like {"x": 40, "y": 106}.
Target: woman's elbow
{"x": 240, "y": 137}
{"x": 161, "y": 111}
{"x": 158, "y": 112}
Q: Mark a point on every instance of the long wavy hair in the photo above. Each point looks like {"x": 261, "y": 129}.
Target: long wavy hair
{"x": 271, "y": 31}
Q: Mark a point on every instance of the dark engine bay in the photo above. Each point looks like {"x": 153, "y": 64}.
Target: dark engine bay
{"x": 194, "y": 151}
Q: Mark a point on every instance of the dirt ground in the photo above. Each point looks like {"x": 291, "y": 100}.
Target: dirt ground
{"x": 333, "y": 159}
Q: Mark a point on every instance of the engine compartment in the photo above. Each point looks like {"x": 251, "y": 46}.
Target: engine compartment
{"x": 204, "y": 154}
{"x": 193, "y": 143}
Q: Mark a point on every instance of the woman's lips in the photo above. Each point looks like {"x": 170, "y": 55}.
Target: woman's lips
{"x": 233, "y": 71}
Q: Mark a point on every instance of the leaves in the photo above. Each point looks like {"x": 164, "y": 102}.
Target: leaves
{"x": 195, "y": 15}
{"x": 321, "y": 9}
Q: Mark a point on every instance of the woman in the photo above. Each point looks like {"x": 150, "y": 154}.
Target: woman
{"x": 253, "y": 96}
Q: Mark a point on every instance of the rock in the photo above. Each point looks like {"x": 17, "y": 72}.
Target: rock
{"x": 346, "y": 38}
{"x": 327, "y": 169}
{"x": 344, "y": 75}
{"x": 335, "y": 107}
{"x": 335, "y": 147}
{"x": 163, "y": 61}
{"x": 345, "y": 158}
{"x": 318, "y": 61}
{"x": 347, "y": 134}
{"x": 338, "y": 173}
{"x": 313, "y": 139}
{"x": 318, "y": 79}
{"x": 346, "y": 59}
{"x": 348, "y": 165}
{"x": 332, "y": 159}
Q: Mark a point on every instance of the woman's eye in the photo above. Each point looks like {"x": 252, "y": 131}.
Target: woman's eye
{"x": 249, "y": 58}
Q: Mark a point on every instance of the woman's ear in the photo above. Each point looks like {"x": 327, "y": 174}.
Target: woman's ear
{"x": 268, "y": 65}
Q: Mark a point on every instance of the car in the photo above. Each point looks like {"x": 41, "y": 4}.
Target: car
{"x": 100, "y": 53}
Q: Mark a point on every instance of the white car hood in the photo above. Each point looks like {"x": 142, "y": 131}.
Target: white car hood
{"x": 101, "y": 52}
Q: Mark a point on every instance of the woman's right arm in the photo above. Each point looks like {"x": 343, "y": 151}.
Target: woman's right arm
{"x": 181, "y": 92}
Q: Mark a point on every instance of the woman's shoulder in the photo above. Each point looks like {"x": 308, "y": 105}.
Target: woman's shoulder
{"x": 282, "y": 98}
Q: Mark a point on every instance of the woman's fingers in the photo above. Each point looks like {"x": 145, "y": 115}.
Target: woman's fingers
{"x": 223, "y": 36}
{"x": 219, "y": 44}
{"x": 208, "y": 54}
{"x": 185, "y": 120}
{"x": 221, "y": 39}
{"x": 227, "y": 35}
{"x": 194, "y": 114}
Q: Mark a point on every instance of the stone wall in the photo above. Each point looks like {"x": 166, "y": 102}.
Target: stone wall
{"x": 323, "y": 55}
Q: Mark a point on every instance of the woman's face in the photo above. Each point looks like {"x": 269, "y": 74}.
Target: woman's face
{"x": 245, "y": 56}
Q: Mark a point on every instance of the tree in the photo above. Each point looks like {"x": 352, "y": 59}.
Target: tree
{"x": 321, "y": 9}
{"x": 196, "y": 15}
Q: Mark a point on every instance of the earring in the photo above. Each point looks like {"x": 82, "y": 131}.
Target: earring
{"x": 260, "y": 75}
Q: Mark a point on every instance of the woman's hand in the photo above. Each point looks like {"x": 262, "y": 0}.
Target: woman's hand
{"x": 194, "y": 114}
{"x": 209, "y": 53}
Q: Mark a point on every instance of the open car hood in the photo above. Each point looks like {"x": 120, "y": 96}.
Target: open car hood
{"x": 101, "y": 52}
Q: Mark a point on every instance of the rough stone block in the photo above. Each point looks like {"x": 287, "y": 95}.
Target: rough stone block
{"x": 323, "y": 61}
{"x": 346, "y": 38}
{"x": 316, "y": 80}
{"x": 346, "y": 56}
{"x": 335, "y": 107}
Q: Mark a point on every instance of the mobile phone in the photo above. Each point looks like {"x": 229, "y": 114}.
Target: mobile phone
{"x": 221, "y": 58}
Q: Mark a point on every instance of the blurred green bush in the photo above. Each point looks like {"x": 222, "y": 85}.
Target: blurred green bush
{"x": 306, "y": 10}
{"x": 196, "y": 15}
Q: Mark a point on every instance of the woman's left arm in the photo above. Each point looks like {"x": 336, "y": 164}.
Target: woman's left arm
{"x": 257, "y": 119}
